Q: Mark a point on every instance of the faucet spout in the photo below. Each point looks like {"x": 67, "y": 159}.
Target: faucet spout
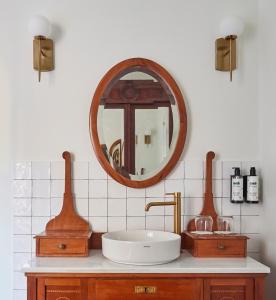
{"x": 159, "y": 203}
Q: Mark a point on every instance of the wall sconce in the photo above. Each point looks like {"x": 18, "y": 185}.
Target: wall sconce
{"x": 147, "y": 136}
{"x": 230, "y": 29}
{"x": 43, "y": 47}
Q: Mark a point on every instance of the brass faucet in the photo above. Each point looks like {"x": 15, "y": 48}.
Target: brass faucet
{"x": 177, "y": 209}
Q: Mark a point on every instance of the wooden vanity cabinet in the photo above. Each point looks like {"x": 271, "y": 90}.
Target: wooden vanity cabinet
{"x": 145, "y": 286}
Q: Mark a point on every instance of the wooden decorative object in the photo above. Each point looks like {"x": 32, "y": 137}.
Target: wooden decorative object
{"x": 215, "y": 245}
{"x": 67, "y": 234}
{"x": 208, "y": 204}
{"x": 122, "y": 68}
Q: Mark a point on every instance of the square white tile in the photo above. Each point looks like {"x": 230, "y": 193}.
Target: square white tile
{"x": 41, "y": 207}
{"x": 227, "y": 168}
{"x": 22, "y": 243}
{"x": 80, "y": 188}
{"x": 22, "y": 225}
{"x": 135, "y": 223}
{"x": 192, "y": 206}
{"x": 39, "y": 224}
{"x": 22, "y": 170}
{"x": 157, "y": 190}
{"x": 40, "y": 170}
{"x": 177, "y": 172}
{"x": 251, "y": 224}
{"x": 98, "y": 224}
{"x": 96, "y": 171}
{"x": 19, "y": 260}
{"x": 193, "y": 188}
{"x": 136, "y": 207}
{"x": 117, "y": 207}
{"x": 19, "y": 294}
{"x": 57, "y": 170}
{"x": 169, "y": 223}
{"x": 98, "y": 207}
{"x": 97, "y": 188}
{"x": 155, "y": 223}
{"x": 229, "y": 208}
{"x": 252, "y": 209}
{"x": 116, "y": 223}
{"x": 155, "y": 210}
{"x": 22, "y": 188}
{"x": 57, "y": 188}
{"x": 82, "y": 206}
{"x": 41, "y": 188}
{"x": 136, "y": 193}
{"x": 116, "y": 190}
{"x": 22, "y": 207}
{"x": 175, "y": 185}
{"x": 217, "y": 188}
{"x": 237, "y": 224}
{"x": 194, "y": 169}
{"x": 80, "y": 170}
{"x": 226, "y": 188}
{"x": 19, "y": 281}
{"x": 56, "y": 205}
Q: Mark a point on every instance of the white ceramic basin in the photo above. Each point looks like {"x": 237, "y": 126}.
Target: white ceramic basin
{"x": 141, "y": 247}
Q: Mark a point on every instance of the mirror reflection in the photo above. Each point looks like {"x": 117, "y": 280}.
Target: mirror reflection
{"x": 138, "y": 124}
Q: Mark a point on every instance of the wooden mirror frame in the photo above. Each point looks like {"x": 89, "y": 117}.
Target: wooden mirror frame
{"x": 113, "y": 73}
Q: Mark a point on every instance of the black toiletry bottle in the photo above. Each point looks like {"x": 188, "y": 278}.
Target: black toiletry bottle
{"x": 251, "y": 188}
{"x": 237, "y": 187}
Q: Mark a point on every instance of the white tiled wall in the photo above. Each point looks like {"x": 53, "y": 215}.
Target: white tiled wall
{"x": 39, "y": 186}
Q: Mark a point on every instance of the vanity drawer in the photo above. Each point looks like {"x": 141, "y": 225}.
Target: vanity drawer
{"x": 223, "y": 248}
{"x": 62, "y": 247}
{"x": 176, "y": 289}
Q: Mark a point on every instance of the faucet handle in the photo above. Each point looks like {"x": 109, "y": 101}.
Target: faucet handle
{"x": 174, "y": 194}
{"x": 170, "y": 194}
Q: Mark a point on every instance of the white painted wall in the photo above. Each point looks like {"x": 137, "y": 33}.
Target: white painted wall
{"x": 267, "y": 96}
{"x": 90, "y": 37}
{"x": 6, "y": 104}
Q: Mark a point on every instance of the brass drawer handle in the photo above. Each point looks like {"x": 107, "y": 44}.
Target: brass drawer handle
{"x": 221, "y": 247}
{"x": 140, "y": 289}
{"x": 62, "y": 246}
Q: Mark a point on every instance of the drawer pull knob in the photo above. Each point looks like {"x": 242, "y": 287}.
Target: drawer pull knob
{"x": 62, "y": 246}
{"x": 221, "y": 247}
{"x": 145, "y": 289}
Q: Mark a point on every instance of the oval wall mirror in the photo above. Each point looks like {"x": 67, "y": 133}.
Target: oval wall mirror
{"x": 138, "y": 122}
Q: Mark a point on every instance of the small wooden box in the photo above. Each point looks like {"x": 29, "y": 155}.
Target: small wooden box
{"x": 215, "y": 245}
{"x": 62, "y": 244}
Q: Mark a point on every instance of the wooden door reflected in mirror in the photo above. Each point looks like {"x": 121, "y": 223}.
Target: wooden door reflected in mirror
{"x": 138, "y": 122}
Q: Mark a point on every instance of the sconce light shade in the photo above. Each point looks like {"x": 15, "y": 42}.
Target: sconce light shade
{"x": 231, "y": 26}
{"x": 39, "y": 26}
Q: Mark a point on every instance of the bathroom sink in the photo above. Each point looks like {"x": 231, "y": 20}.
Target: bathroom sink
{"x": 141, "y": 247}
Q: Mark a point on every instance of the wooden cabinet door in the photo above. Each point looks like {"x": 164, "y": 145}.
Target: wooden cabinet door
{"x": 61, "y": 289}
{"x": 229, "y": 289}
{"x": 143, "y": 289}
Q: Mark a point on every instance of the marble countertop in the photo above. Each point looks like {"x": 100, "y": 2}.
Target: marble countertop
{"x": 186, "y": 264}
